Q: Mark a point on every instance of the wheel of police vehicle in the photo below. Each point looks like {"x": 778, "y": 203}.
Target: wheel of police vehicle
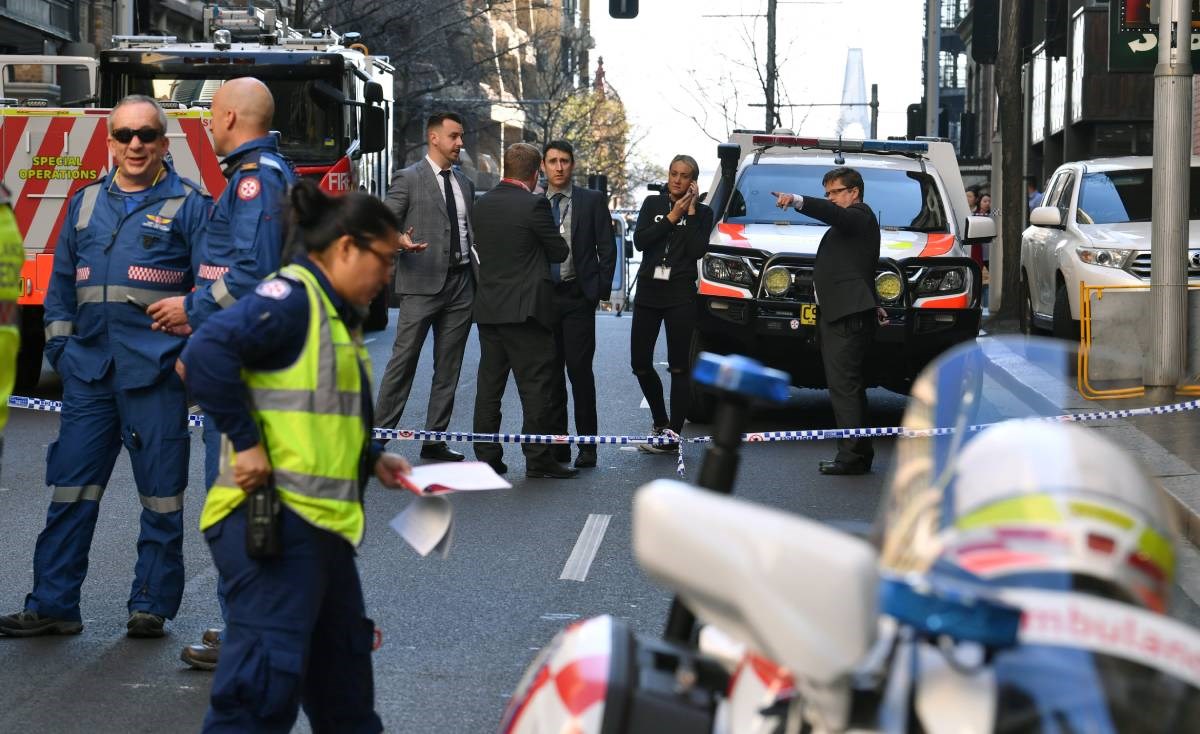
{"x": 33, "y": 343}
{"x": 702, "y": 404}
{"x": 1064, "y": 326}
{"x": 377, "y": 316}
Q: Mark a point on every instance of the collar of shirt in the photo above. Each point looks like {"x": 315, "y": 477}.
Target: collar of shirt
{"x": 515, "y": 182}
{"x": 168, "y": 185}
{"x": 266, "y": 142}
{"x": 550, "y": 192}
{"x": 437, "y": 170}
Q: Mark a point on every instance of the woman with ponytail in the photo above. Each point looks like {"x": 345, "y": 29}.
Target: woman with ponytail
{"x": 286, "y": 379}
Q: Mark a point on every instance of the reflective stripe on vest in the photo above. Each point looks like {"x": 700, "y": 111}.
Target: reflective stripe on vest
{"x": 120, "y": 294}
{"x": 310, "y": 415}
{"x": 220, "y": 293}
{"x": 87, "y": 205}
{"x": 59, "y": 328}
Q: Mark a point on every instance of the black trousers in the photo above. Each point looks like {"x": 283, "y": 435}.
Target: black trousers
{"x": 844, "y": 345}
{"x": 526, "y": 350}
{"x": 643, "y": 334}
{"x": 575, "y": 349}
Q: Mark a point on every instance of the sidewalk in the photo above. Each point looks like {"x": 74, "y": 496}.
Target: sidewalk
{"x": 1165, "y": 444}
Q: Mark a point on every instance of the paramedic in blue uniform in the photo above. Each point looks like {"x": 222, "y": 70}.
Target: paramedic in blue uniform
{"x": 297, "y": 632}
{"x": 244, "y": 244}
{"x": 127, "y": 242}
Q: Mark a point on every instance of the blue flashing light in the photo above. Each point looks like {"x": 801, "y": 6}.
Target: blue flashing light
{"x": 742, "y": 375}
{"x": 896, "y": 146}
{"x": 944, "y": 609}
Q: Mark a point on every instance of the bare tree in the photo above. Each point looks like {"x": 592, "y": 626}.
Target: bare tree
{"x": 1008, "y": 89}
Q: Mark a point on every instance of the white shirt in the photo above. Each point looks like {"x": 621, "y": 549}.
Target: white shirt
{"x": 460, "y": 204}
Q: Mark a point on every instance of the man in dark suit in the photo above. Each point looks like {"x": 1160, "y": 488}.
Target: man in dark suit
{"x": 844, "y": 281}
{"x": 434, "y": 287}
{"x": 514, "y": 307}
{"x": 580, "y": 282}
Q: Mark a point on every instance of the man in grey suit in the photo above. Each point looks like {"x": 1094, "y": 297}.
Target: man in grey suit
{"x": 434, "y": 287}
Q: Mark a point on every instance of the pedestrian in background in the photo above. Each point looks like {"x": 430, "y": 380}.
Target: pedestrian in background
{"x": 244, "y": 244}
{"x": 432, "y": 201}
{"x": 580, "y": 283}
{"x": 515, "y": 310}
{"x": 972, "y": 198}
{"x": 847, "y": 309}
{"x": 285, "y": 376}
{"x": 127, "y": 243}
{"x": 672, "y": 233}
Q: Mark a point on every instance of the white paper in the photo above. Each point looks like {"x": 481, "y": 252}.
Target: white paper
{"x": 425, "y": 524}
{"x": 456, "y": 476}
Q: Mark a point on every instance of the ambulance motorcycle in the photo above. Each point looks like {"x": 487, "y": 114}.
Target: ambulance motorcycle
{"x": 1018, "y": 579}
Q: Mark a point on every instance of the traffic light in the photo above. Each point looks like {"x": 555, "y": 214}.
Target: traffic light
{"x": 985, "y": 33}
{"x": 623, "y": 8}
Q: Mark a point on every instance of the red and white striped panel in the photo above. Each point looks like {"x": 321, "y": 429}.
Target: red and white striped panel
{"x": 155, "y": 275}
{"x": 211, "y": 272}
{"x": 82, "y": 273}
{"x": 567, "y": 693}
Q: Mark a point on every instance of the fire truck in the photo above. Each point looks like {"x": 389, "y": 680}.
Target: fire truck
{"x": 333, "y": 106}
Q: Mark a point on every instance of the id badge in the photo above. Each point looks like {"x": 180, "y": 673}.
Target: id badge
{"x": 662, "y": 272}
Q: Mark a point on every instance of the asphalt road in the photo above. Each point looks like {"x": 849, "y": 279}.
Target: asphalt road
{"x": 457, "y": 631}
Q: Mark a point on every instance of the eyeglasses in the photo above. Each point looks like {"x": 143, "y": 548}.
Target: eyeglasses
{"x": 387, "y": 260}
{"x": 124, "y": 135}
{"x": 832, "y": 192}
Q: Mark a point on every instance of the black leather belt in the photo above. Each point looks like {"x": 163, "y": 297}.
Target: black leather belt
{"x": 459, "y": 268}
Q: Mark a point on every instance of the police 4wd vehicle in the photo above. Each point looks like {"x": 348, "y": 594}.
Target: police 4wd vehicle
{"x": 756, "y": 290}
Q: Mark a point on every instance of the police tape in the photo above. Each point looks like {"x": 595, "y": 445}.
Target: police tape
{"x": 670, "y": 438}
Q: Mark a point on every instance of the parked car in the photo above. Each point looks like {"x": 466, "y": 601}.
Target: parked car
{"x": 755, "y": 287}
{"x": 1093, "y": 227}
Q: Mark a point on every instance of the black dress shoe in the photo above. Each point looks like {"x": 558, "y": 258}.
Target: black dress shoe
{"x": 561, "y": 454}
{"x": 498, "y": 466}
{"x": 842, "y": 468}
{"x": 440, "y": 452}
{"x": 201, "y": 657}
{"x": 549, "y": 470}
{"x": 586, "y": 458}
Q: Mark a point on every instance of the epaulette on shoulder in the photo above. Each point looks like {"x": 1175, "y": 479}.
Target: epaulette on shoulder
{"x": 248, "y": 167}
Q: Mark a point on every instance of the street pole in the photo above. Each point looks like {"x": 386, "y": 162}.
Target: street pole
{"x": 933, "y": 29}
{"x": 874, "y": 111}
{"x": 1008, "y": 152}
{"x": 1164, "y": 360}
{"x": 771, "y": 71}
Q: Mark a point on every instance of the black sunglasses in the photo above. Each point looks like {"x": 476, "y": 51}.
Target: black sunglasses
{"x": 124, "y": 135}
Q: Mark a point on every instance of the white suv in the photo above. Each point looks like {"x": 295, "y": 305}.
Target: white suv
{"x": 1093, "y": 227}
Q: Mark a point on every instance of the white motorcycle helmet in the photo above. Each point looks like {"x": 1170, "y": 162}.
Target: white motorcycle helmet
{"x": 1048, "y": 503}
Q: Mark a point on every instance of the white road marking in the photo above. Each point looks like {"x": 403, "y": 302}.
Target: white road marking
{"x": 556, "y": 617}
{"x": 585, "y": 548}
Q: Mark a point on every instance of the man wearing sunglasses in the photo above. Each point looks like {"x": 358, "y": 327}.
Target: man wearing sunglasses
{"x": 126, "y": 243}
{"x": 844, "y": 283}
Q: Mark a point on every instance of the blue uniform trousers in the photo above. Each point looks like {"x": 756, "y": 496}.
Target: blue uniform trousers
{"x": 296, "y": 633}
{"x": 212, "y": 467}
{"x": 97, "y": 418}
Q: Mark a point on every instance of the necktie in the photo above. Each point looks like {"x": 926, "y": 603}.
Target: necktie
{"x": 452, "y": 212}
{"x": 555, "y": 201}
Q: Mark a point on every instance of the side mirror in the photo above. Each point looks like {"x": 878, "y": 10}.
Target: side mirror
{"x": 980, "y": 228}
{"x": 372, "y": 92}
{"x": 729, "y": 154}
{"x": 795, "y": 590}
{"x": 623, "y": 8}
{"x": 628, "y": 248}
{"x": 372, "y": 130}
{"x": 1046, "y": 216}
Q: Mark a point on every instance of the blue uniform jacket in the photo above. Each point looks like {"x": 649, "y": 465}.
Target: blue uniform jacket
{"x": 119, "y": 257}
{"x": 244, "y": 241}
{"x": 264, "y": 331}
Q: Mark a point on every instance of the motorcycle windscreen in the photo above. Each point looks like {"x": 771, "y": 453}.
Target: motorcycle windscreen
{"x": 1062, "y": 690}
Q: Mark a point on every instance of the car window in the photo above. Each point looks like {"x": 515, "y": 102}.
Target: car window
{"x": 1126, "y": 196}
{"x": 907, "y": 200}
{"x": 1054, "y": 188}
{"x": 1066, "y": 186}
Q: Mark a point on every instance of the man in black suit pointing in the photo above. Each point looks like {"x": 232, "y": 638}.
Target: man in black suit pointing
{"x": 515, "y": 242}
{"x": 844, "y": 281}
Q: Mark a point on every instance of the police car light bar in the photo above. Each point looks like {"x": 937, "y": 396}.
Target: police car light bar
{"x": 846, "y": 146}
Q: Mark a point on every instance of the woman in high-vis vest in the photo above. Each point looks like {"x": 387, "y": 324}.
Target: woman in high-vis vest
{"x": 284, "y": 375}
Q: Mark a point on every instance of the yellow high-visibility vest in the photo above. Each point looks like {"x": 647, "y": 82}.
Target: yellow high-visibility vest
{"x": 310, "y": 415}
{"x": 12, "y": 258}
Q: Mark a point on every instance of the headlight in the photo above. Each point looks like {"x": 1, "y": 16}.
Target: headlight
{"x": 1103, "y": 256}
{"x": 727, "y": 269}
{"x": 942, "y": 280}
{"x": 888, "y": 286}
{"x": 777, "y": 281}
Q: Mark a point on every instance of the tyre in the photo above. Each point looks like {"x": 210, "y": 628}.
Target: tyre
{"x": 33, "y": 344}
{"x": 1064, "y": 326}
{"x": 702, "y": 403}
{"x": 377, "y": 316}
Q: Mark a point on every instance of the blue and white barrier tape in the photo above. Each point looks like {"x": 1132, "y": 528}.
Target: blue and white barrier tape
{"x": 670, "y": 437}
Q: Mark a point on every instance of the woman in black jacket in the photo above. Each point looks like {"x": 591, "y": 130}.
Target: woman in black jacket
{"x": 672, "y": 232}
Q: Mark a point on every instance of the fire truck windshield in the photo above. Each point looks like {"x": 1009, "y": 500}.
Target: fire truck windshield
{"x": 309, "y": 124}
